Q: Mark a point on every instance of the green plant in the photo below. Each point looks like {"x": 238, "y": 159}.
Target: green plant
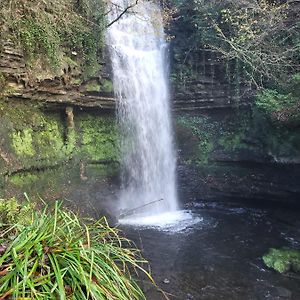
{"x": 262, "y": 37}
{"x": 283, "y": 260}
{"x": 282, "y": 107}
{"x": 202, "y": 133}
{"x": 58, "y": 256}
{"x": 11, "y": 212}
{"x": 38, "y": 36}
{"x": 2, "y": 82}
{"x": 49, "y": 30}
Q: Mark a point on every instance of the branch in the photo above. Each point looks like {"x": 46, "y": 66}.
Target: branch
{"x": 122, "y": 13}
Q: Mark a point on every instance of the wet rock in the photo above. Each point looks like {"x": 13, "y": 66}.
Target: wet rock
{"x": 283, "y": 292}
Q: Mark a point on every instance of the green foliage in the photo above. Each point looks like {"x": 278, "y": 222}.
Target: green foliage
{"x": 294, "y": 84}
{"x": 39, "y": 38}
{"x": 233, "y": 140}
{"x": 12, "y": 212}
{"x": 283, "y": 106}
{"x": 51, "y": 29}
{"x": 57, "y": 255}
{"x": 276, "y": 138}
{"x": 237, "y": 31}
{"x": 204, "y": 140}
{"x": 271, "y": 101}
{"x": 283, "y": 260}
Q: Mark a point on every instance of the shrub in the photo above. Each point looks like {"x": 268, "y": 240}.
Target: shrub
{"x": 58, "y": 256}
{"x": 283, "y": 260}
{"x": 282, "y": 107}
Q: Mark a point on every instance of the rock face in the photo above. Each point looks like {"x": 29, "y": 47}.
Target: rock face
{"x": 229, "y": 156}
{"x": 58, "y": 132}
{"x": 59, "y": 139}
{"x": 201, "y": 84}
{"x": 43, "y": 85}
{"x": 56, "y": 154}
{"x": 228, "y": 150}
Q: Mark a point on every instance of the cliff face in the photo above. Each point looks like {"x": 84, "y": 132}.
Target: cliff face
{"x": 199, "y": 81}
{"x": 228, "y": 149}
{"x": 59, "y": 138}
{"x": 58, "y": 131}
{"x": 64, "y": 86}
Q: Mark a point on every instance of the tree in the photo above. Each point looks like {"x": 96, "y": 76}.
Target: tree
{"x": 263, "y": 36}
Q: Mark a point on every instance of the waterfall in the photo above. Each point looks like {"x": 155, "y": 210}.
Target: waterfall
{"x": 137, "y": 48}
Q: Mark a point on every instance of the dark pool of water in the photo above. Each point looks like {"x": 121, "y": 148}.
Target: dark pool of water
{"x": 220, "y": 257}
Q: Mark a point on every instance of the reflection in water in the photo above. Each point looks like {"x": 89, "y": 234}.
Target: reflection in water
{"x": 220, "y": 257}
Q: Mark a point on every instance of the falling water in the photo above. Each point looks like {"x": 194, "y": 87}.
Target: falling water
{"x": 138, "y": 54}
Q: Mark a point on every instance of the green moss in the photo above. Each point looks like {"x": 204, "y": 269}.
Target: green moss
{"x": 93, "y": 86}
{"x": 19, "y": 116}
{"x": 106, "y": 86}
{"x": 12, "y": 212}
{"x": 76, "y": 81}
{"x": 23, "y": 179}
{"x": 232, "y": 141}
{"x": 42, "y": 141}
{"x": 283, "y": 260}
{"x": 45, "y": 143}
{"x": 39, "y": 37}
{"x": 50, "y": 137}
{"x": 70, "y": 144}
{"x": 71, "y": 62}
{"x": 201, "y": 131}
{"x": 91, "y": 70}
{"x": 101, "y": 171}
{"x": 22, "y": 142}
{"x": 99, "y": 139}
{"x": 40, "y": 145}
{"x": 2, "y": 82}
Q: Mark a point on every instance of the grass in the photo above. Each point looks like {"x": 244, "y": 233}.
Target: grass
{"x": 58, "y": 256}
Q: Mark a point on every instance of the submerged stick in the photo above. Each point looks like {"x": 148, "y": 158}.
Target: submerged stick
{"x": 132, "y": 211}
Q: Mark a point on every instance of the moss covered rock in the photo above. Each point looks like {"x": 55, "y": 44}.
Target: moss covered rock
{"x": 283, "y": 260}
{"x": 40, "y": 153}
{"x": 99, "y": 139}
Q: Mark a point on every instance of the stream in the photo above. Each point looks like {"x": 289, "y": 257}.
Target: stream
{"x": 219, "y": 256}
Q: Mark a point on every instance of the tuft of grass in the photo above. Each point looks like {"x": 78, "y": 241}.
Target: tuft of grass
{"x": 59, "y": 256}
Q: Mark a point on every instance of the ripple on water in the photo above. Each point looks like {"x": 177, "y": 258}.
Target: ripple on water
{"x": 174, "y": 221}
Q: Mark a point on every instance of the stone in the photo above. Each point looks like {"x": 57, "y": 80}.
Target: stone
{"x": 283, "y": 292}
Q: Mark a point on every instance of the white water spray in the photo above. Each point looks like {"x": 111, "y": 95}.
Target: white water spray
{"x": 137, "y": 48}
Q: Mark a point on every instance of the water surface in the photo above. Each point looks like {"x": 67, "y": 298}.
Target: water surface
{"x": 219, "y": 257}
